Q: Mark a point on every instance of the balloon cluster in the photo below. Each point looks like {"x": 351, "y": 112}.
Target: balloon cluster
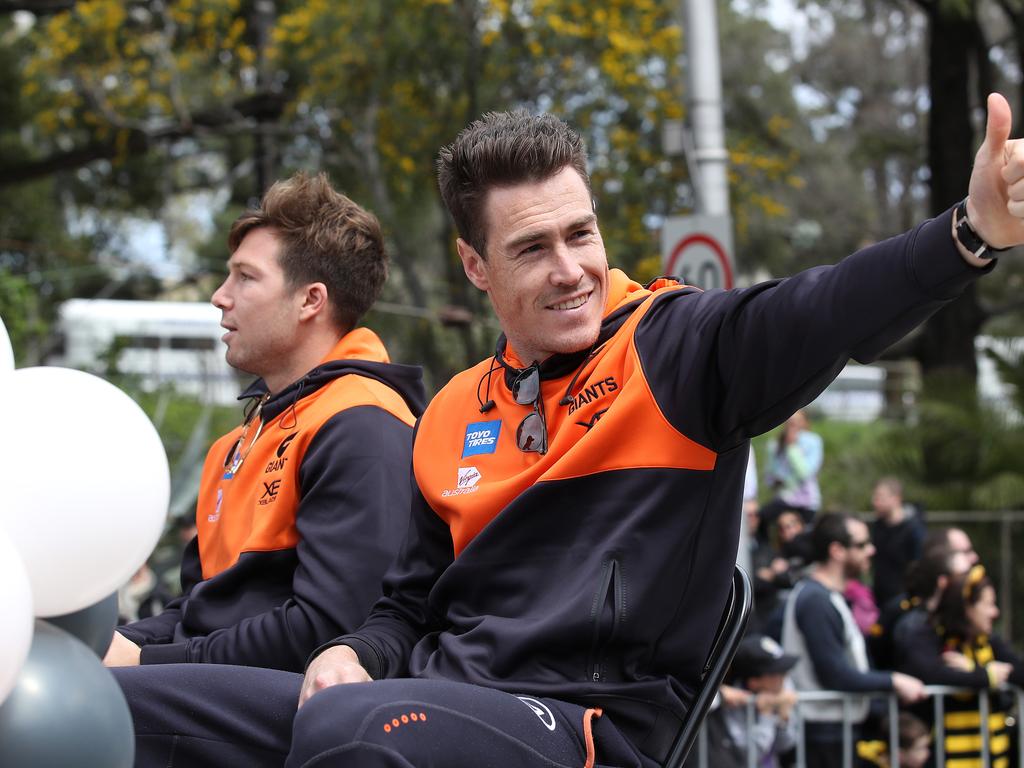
{"x": 85, "y": 494}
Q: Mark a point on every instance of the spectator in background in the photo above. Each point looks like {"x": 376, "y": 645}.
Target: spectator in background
{"x": 794, "y": 538}
{"x": 793, "y": 471}
{"x": 777, "y": 569}
{"x": 898, "y": 535}
{"x": 862, "y": 605}
{"x": 763, "y": 555}
{"x": 926, "y": 580}
{"x": 758, "y": 673}
{"x": 956, "y": 540}
{"x": 957, "y": 647}
{"x": 819, "y": 629}
{"x": 914, "y": 745}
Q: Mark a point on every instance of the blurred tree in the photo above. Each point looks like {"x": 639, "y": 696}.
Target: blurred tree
{"x": 134, "y": 102}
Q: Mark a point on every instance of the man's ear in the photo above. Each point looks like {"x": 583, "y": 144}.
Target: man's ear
{"x": 314, "y": 301}
{"x": 473, "y": 264}
{"x": 836, "y": 550}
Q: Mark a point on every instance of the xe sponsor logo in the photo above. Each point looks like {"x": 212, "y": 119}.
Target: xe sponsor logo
{"x": 593, "y": 392}
{"x": 467, "y": 480}
{"x": 481, "y": 437}
{"x": 270, "y": 492}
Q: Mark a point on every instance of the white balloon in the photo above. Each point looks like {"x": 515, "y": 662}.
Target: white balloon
{"x": 16, "y": 608}
{"x": 86, "y": 485}
{"x": 6, "y": 353}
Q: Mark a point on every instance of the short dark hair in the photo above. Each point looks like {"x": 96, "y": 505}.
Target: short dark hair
{"x": 502, "y": 149}
{"x": 891, "y": 484}
{"x": 325, "y": 237}
{"x": 828, "y": 528}
{"x": 923, "y": 574}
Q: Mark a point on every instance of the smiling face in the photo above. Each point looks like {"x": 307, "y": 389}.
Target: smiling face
{"x": 545, "y": 269}
{"x": 260, "y": 310}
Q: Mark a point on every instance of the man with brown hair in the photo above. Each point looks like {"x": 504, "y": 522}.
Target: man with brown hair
{"x": 897, "y": 532}
{"x": 576, "y": 497}
{"x": 303, "y": 506}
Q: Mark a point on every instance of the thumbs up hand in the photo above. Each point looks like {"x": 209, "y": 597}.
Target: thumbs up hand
{"x": 995, "y": 204}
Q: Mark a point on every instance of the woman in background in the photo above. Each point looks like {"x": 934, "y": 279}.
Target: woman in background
{"x": 957, "y": 647}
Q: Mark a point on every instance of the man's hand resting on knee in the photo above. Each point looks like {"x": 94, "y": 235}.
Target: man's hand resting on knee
{"x": 335, "y": 666}
{"x": 122, "y": 652}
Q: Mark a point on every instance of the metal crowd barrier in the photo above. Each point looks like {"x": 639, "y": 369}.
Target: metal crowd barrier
{"x": 938, "y": 694}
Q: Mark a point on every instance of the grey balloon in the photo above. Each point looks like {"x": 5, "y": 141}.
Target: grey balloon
{"x": 94, "y": 625}
{"x": 65, "y": 709}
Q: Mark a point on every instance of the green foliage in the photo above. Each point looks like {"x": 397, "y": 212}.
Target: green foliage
{"x": 977, "y": 459}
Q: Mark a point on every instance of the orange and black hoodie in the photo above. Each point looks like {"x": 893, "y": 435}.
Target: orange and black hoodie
{"x": 292, "y": 546}
{"x": 597, "y": 572}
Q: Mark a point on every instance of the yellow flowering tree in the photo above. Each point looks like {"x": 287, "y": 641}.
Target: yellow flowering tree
{"x": 151, "y": 97}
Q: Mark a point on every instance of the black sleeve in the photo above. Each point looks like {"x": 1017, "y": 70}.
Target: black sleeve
{"x": 352, "y": 511}
{"x": 921, "y": 657}
{"x": 752, "y": 357}
{"x": 159, "y": 629}
{"x": 1004, "y": 652}
{"x": 406, "y": 612}
{"x": 822, "y": 629}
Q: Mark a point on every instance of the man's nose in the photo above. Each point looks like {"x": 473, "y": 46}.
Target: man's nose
{"x": 566, "y": 270}
{"x": 220, "y": 298}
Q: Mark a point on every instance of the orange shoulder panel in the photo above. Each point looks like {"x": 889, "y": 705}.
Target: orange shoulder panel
{"x": 254, "y": 511}
{"x": 469, "y": 468}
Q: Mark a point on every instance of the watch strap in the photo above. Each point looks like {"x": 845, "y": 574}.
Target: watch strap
{"x": 968, "y": 237}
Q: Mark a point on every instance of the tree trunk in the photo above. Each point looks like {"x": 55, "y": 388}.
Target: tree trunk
{"x": 946, "y": 343}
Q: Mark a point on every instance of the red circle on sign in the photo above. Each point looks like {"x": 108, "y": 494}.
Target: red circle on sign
{"x": 710, "y": 242}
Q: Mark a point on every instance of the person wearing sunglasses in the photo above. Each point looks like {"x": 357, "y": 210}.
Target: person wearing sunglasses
{"x": 302, "y": 507}
{"x": 577, "y": 495}
{"x": 819, "y": 628}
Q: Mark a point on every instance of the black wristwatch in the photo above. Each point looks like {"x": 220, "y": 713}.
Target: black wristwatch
{"x": 968, "y": 238}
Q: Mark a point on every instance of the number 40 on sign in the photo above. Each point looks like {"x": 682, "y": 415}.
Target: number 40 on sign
{"x": 698, "y": 250}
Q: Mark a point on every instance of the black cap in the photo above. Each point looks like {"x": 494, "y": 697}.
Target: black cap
{"x": 760, "y": 655}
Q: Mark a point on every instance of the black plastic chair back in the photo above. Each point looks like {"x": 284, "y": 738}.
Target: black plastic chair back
{"x": 727, "y": 640}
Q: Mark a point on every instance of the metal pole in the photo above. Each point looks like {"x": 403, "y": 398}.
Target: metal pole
{"x": 894, "y": 731}
{"x": 940, "y": 730}
{"x": 704, "y": 78}
{"x": 984, "y": 710}
{"x": 751, "y": 746}
{"x": 801, "y": 747}
{"x": 847, "y": 733}
{"x": 1020, "y": 725}
{"x": 1006, "y": 577}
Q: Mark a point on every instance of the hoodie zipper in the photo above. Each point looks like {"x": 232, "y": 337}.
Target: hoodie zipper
{"x": 610, "y": 587}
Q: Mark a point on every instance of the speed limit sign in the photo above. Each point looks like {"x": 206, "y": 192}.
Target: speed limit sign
{"x": 698, "y": 250}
